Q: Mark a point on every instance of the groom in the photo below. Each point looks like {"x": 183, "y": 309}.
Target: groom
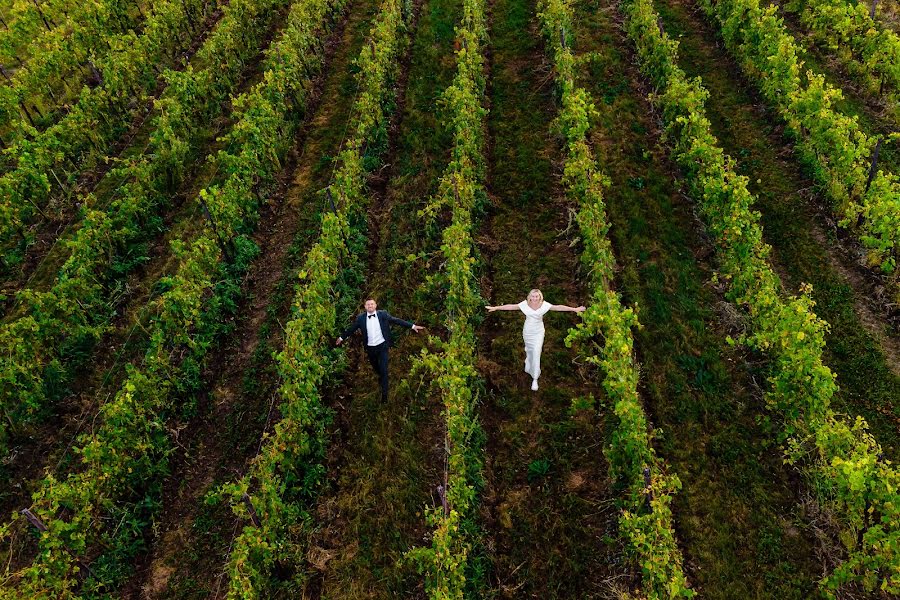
{"x": 377, "y": 338}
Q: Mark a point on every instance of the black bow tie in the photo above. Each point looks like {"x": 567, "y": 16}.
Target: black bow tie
{"x": 371, "y": 316}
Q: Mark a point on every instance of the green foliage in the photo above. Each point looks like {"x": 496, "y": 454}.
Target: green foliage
{"x": 106, "y": 503}
{"x": 842, "y": 461}
{"x": 832, "y": 144}
{"x": 538, "y": 469}
{"x": 286, "y": 474}
{"x": 59, "y": 55}
{"x": 869, "y": 50}
{"x": 28, "y": 23}
{"x": 77, "y": 306}
{"x": 52, "y": 159}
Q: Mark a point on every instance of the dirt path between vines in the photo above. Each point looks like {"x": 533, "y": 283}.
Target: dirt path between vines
{"x": 384, "y": 459}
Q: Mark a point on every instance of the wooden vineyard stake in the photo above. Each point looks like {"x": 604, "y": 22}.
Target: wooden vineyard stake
{"x": 648, "y": 499}
{"x": 253, "y": 516}
{"x": 39, "y": 525}
{"x": 343, "y": 235}
{"x": 442, "y": 493}
{"x": 224, "y": 247}
{"x": 442, "y": 488}
{"x": 874, "y": 164}
{"x": 34, "y": 520}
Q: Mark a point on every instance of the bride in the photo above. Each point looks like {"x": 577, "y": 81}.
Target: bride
{"x": 533, "y": 332}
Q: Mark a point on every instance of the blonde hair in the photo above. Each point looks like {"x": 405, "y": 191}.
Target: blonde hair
{"x": 535, "y": 291}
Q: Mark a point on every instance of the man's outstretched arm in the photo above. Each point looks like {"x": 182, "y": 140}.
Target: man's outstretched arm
{"x": 395, "y": 321}
{"x": 349, "y": 332}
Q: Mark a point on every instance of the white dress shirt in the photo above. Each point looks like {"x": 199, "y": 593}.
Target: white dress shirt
{"x": 373, "y": 329}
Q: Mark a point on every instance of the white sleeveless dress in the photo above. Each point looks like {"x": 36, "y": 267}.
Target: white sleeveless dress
{"x": 533, "y": 334}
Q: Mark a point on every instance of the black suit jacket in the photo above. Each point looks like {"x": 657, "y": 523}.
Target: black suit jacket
{"x": 384, "y": 319}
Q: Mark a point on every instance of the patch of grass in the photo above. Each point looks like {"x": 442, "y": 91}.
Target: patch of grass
{"x": 210, "y": 532}
{"x": 546, "y": 481}
{"x": 538, "y": 469}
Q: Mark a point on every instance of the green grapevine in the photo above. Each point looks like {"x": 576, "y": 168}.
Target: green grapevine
{"x": 446, "y": 562}
{"x": 26, "y": 21}
{"x": 50, "y": 162}
{"x": 77, "y": 309}
{"x": 833, "y": 145}
{"x": 60, "y": 56}
{"x": 869, "y": 51}
{"x": 646, "y": 520}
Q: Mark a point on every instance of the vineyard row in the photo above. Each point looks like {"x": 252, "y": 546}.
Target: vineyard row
{"x": 867, "y": 49}
{"x": 46, "y": 165}
{"x": 832, "y": 145}
{"x": 841, "y": 460}
{"x": 58, "y": 62}
{"x": 285, "y": 476}
{"x": 448, "y": 562}
{"x": 646, "y": 490}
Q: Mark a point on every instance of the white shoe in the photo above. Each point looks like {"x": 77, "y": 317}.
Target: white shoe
{"x": 534, "y": 385}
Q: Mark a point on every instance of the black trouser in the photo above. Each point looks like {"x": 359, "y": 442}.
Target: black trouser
{"x": 378, "y": 358}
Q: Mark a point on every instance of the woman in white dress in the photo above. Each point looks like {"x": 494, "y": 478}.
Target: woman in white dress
{"x": 533, "y": 332}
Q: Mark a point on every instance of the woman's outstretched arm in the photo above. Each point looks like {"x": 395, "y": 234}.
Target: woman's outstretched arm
{"x": 564, "y": 308}
{"x": 502, "y": 307}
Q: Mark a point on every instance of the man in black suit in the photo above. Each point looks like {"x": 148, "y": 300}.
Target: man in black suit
{"x": 376, "y": 338}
